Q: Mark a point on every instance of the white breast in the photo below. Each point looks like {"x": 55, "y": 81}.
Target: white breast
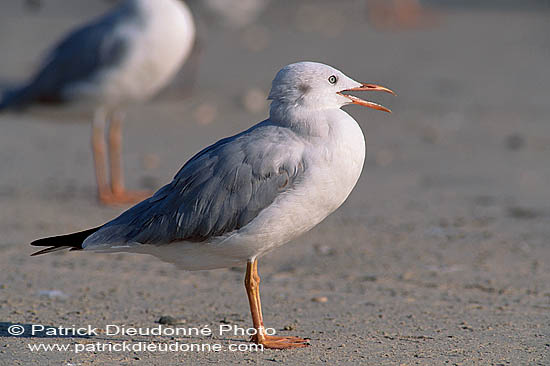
{"x": 334, "y": 165}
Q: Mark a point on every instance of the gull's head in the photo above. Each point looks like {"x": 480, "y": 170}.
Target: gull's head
{"x": 319, "y": 86}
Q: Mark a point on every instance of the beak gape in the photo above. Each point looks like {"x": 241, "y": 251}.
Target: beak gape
{"x": 366, "y": 103}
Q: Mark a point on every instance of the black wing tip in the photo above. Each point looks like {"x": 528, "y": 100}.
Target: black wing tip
{"x": 44, "y": 251}
{"x": 38, "y": 242}
{"x": 70, "y": 241}
{"x": 49, "y": 241}
{"x": 52, "y": 249}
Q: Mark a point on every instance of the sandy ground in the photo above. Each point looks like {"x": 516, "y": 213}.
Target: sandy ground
{"x": 441, "y": 255}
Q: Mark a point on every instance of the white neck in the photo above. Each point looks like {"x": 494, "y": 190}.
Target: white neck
{"x": 305, "y": 120}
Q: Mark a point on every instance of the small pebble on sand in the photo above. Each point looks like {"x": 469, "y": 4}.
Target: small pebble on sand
{"x": 169, "y": 320}
{"x": 321, "y": 299}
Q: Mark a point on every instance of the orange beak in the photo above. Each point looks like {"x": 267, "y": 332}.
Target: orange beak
{"x": 366, "y": 103}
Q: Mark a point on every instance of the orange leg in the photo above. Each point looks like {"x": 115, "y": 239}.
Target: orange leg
{"x": 252, "y": 285}
{"x": 98, "y": 149}
{"x": 115, "y": 153}
{"x": 113, "y": 194}
{"x": 117, "y": 193}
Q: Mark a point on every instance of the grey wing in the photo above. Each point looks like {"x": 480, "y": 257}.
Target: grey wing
{"x": 78, "y": 58}
{"x": 221, "y": 189}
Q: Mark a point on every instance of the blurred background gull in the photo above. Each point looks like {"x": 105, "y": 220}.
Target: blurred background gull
{"x": 124, "y": 56}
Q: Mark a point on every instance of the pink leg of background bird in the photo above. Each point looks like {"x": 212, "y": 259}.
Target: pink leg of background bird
{"x": 114, "y": 193}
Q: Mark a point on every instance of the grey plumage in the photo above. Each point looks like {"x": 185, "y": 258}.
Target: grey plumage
{"x": 219, "y": 190}
{"x": 78, "y": 58}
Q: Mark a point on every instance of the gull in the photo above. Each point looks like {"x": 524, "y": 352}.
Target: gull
{"x": 253, "y": 192}
{"x": 127, "y": 55}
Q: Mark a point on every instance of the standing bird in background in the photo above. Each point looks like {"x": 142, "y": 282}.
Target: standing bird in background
{"x": 127, "y": 55}
{"x": 253, "y": 192}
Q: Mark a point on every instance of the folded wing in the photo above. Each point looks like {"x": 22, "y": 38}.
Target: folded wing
{"x": 218, "y": 191}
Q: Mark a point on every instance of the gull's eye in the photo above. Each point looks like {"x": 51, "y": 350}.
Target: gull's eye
{"x": 332, "y": 79}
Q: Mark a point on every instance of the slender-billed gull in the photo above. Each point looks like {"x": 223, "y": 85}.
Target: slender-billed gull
{"x": 127, "y": 55}
{"x": 252, "y": 192}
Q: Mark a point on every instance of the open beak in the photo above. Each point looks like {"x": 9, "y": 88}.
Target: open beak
{"x": 366, "y": 103}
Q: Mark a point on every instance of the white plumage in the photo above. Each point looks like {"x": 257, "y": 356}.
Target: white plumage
{"x": 160, "y": 40}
